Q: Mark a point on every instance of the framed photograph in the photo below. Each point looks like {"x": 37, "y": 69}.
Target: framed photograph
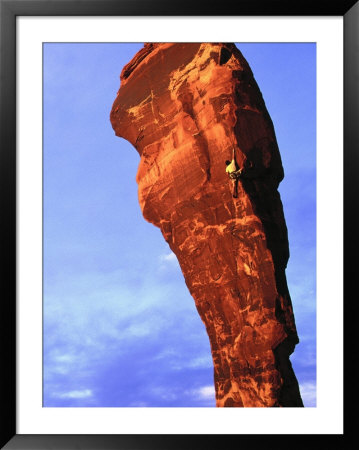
{"x": 118, "y": 333}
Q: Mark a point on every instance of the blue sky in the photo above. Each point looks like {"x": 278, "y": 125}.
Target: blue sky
{"x": 120, "y": 327}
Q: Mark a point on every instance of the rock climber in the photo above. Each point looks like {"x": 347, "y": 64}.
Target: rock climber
{"x": 234, "y": 173}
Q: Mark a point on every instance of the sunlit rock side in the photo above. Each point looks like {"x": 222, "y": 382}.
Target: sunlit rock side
{"x": 184, "y": 107}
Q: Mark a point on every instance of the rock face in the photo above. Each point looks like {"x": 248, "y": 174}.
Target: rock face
{"x": 184, "y": 107}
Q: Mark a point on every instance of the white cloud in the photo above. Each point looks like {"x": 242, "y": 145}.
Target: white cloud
{"x": 203, "y": 396}
{"x": 168, "y": 261}
{"x": 167, "y": 354}
{"x": 168, "y": 257}
{"x": 164, "y": 393}
{"x": 201, "y": 361}
{"x": 308, "y": 392}
{"x": 205, "y": 392}
{"x": 304, "y": 357}
{"x": 93, "y": 311}
{"x": 84, "y": 393}
{"x": 139, "y": 330}
{"x": 92, "y": 319}
{"x": 64, "y": 358}
{"x": 138, "y": 405}
{"x": 302, "y": 292}
{"x": 178, "y": 361}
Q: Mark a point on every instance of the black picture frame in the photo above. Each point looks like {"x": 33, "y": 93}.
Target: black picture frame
{"x": 9, "y": 10}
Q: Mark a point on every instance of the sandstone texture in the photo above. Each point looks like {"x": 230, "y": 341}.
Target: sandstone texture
{"x": 184, "y": 107}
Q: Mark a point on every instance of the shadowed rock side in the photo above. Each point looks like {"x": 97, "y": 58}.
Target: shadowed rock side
{"x": 184, "y": 107}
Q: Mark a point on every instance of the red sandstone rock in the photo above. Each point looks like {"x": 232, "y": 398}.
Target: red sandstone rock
{"x": 184, "y": 107}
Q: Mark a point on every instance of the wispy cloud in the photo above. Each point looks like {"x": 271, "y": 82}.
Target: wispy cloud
{"x": 203, "y": 396}
{"x": 138, "y": 405}
{"x": 304, "y": 356}
{"x": 308, "y": 392}
{"x": 201, "y": 362}
{"x": 94, "y": 320}
{"x": 168, "y": 257}
{"x": 206, "y": 392}
{"x": 178, "y": 361}
{"x": 85, "y": 393}
{"x": 168, "y": 262}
